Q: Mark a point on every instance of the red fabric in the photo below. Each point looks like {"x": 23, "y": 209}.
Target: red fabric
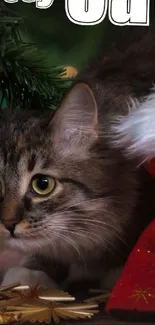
{"x": 150, "y": 167}
{"x": 135, "y": 290}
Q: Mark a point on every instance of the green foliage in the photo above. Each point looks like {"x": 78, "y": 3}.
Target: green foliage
{"x": 70, "y": 44}
{"x": 27, "y": 80}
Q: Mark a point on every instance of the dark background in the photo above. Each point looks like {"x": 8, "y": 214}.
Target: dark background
{"x": 65, "y": 43}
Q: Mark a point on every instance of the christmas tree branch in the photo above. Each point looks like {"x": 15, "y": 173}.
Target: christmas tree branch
{"x": 27, "y": 79}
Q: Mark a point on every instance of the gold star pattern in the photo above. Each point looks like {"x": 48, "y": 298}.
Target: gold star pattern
{"x": 141, "y": 294}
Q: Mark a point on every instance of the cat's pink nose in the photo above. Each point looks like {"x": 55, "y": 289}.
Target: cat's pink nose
{"x": 10, "y": 225}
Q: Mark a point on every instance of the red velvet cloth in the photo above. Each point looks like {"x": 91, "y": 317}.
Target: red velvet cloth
{"x": 135, "y": 290}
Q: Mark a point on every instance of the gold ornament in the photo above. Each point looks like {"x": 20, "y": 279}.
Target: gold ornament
{"x": 69, "y": 72}
{"x": 24, "y": 304}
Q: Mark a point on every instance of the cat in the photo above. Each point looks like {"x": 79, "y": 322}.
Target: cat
{"x": 74, "y": 193}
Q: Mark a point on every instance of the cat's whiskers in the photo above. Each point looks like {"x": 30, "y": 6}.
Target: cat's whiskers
{"x": 94, "y": 221}
{"x": 89, "y": 221}
{"x": 92, "y": 239}
{"x": 74, "y": 245}
{"x": 106, "y": 244}
{"x": 84, "y": 207}
{"x": 70, "y": 221}
{"x": 56, "y": 233}
{"x": 89, "y": 235}
{"x": 70, "y": 242}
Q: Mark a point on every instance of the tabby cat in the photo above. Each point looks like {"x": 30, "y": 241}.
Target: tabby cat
{"x": 74, "y": 193}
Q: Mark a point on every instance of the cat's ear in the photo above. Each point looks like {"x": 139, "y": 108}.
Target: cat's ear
{"x": 75, "y": 122}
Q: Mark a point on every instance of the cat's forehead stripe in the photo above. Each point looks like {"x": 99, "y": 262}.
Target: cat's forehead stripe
{"x": 20, "y": 142}
{"x": 31, "y": 163}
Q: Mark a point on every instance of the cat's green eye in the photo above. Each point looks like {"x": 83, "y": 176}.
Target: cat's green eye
{"x": 42, "y": 185}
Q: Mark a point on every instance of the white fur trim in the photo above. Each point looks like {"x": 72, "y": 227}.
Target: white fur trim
{"x": 136, "y": 131}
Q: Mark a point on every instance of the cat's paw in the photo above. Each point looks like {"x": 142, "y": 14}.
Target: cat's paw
{"x": 27, "y": 277}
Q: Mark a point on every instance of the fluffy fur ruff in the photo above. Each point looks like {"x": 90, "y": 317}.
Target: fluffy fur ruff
{"x": 135, "y": 133}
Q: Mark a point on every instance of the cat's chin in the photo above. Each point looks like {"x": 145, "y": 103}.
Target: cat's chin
{"x": 15, "y": 244}
{"x": 25, "y": 245}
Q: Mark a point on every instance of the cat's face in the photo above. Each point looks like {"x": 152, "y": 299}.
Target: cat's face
{"x": 61, "y": 187}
